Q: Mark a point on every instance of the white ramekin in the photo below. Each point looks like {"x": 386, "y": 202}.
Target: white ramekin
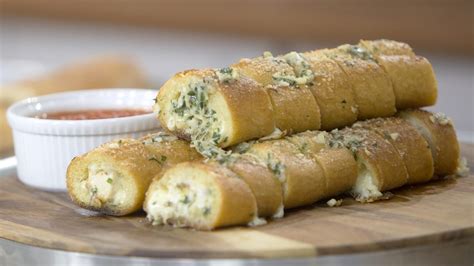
{"x": 45, "y": 147}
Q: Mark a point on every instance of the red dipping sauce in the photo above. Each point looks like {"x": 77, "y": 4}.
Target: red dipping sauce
{"x": 93, "y": 114}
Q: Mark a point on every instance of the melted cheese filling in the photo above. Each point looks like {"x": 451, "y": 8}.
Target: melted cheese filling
{"x": 303, "y": 72}
{"x": 365, "y": 188}
{"x": 280, "y": 212}
{"x": 180, "y": 202}
{"x": 191, "y": 112}
{"x": 105, "y": 185}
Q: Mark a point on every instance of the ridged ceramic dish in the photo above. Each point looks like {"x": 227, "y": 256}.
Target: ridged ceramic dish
{"x": 45, "y": 147}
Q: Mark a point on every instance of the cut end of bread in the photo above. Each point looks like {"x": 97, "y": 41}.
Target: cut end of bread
{"x": 182, "y": 202}
{"x": 366, "y": 188}
{"x": 103, "y": 188}
{"x": 202, "y": 196}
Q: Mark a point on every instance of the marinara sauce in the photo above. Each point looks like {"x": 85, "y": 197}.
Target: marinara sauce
{"x": 92, "y": 114}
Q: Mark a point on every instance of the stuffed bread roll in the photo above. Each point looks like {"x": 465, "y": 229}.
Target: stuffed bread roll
{"x": 200, "y": 195}
{"x": 438, "y": 131}
{"x": 338, "y": 164}
{"x": 411, "y": 146}
{"x": 295, "y": 109}
{"x": 372, "y": 87}
{"x": 214, "y": 107}
{"x": 332, "y": 91}
{"x": 380, "y": 167}
{"x": 112, "y": 178}
{"x": 294, "y": 106}
{"x": 264, "y": 184}
{"x": 301, "y": 176}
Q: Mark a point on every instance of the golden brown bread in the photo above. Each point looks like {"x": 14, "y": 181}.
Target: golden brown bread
{"x": 262, "y": 69}
{"x": 264, "y": 184}
{"x": 438, "y": 131}
{"x": 369, "y": 158}
{"x": 332, "y": 91}
{"x": 412, "y": 76}
{"x": 112, "y": 178}
{"x": 338, "y": 164}
{"x": 169, "y": 150}
{"x": 349, "y": 82}
{"x": 372, "y": 87}
{"x": 411, "y": 146}
{"x": 301, "y": 176}
{"x": 295, "y": 109}
{"x": 413, "y": 80}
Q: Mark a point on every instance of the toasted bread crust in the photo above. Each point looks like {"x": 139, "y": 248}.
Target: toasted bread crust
{"x": 264, "y": 185}
{"x": 442, "y": 139}
{"x": 332, "y": 91}
{"x": 304, "y": 182}
{"x": 384, "y": 159}
{"x": 372, "y": 87}
{"x": 130, "y": 158}
{"x": 411, "y": 146}
{"x": 295, "y": 109}
{"x": 413, "y": 80}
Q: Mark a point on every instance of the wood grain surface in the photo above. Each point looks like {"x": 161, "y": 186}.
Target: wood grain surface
{"x": 433, "y": 213}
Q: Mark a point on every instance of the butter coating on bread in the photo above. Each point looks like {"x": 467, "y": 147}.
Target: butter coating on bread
{"x": 295, "y": 109}
{"x": 413, "y": 80}
{"x": 409, "y": 143}
{"x": 332, "y": 90}
{"x": 265, "y": 186}
{"x": 169, "y": 150}
{"x": 412, "y": 76}
{"x": 338, "y": 164}
{"x": 301, "y": 176}
{"x": 372, "y": 87}
{"x": 438, "y": 131}
{"x": 264, "y": 69}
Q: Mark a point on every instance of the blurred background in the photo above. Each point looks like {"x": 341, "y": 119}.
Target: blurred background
{"x": 54, "y": 45}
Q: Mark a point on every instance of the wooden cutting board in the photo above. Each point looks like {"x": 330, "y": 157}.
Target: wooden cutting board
{"x": 436, "y": 212}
